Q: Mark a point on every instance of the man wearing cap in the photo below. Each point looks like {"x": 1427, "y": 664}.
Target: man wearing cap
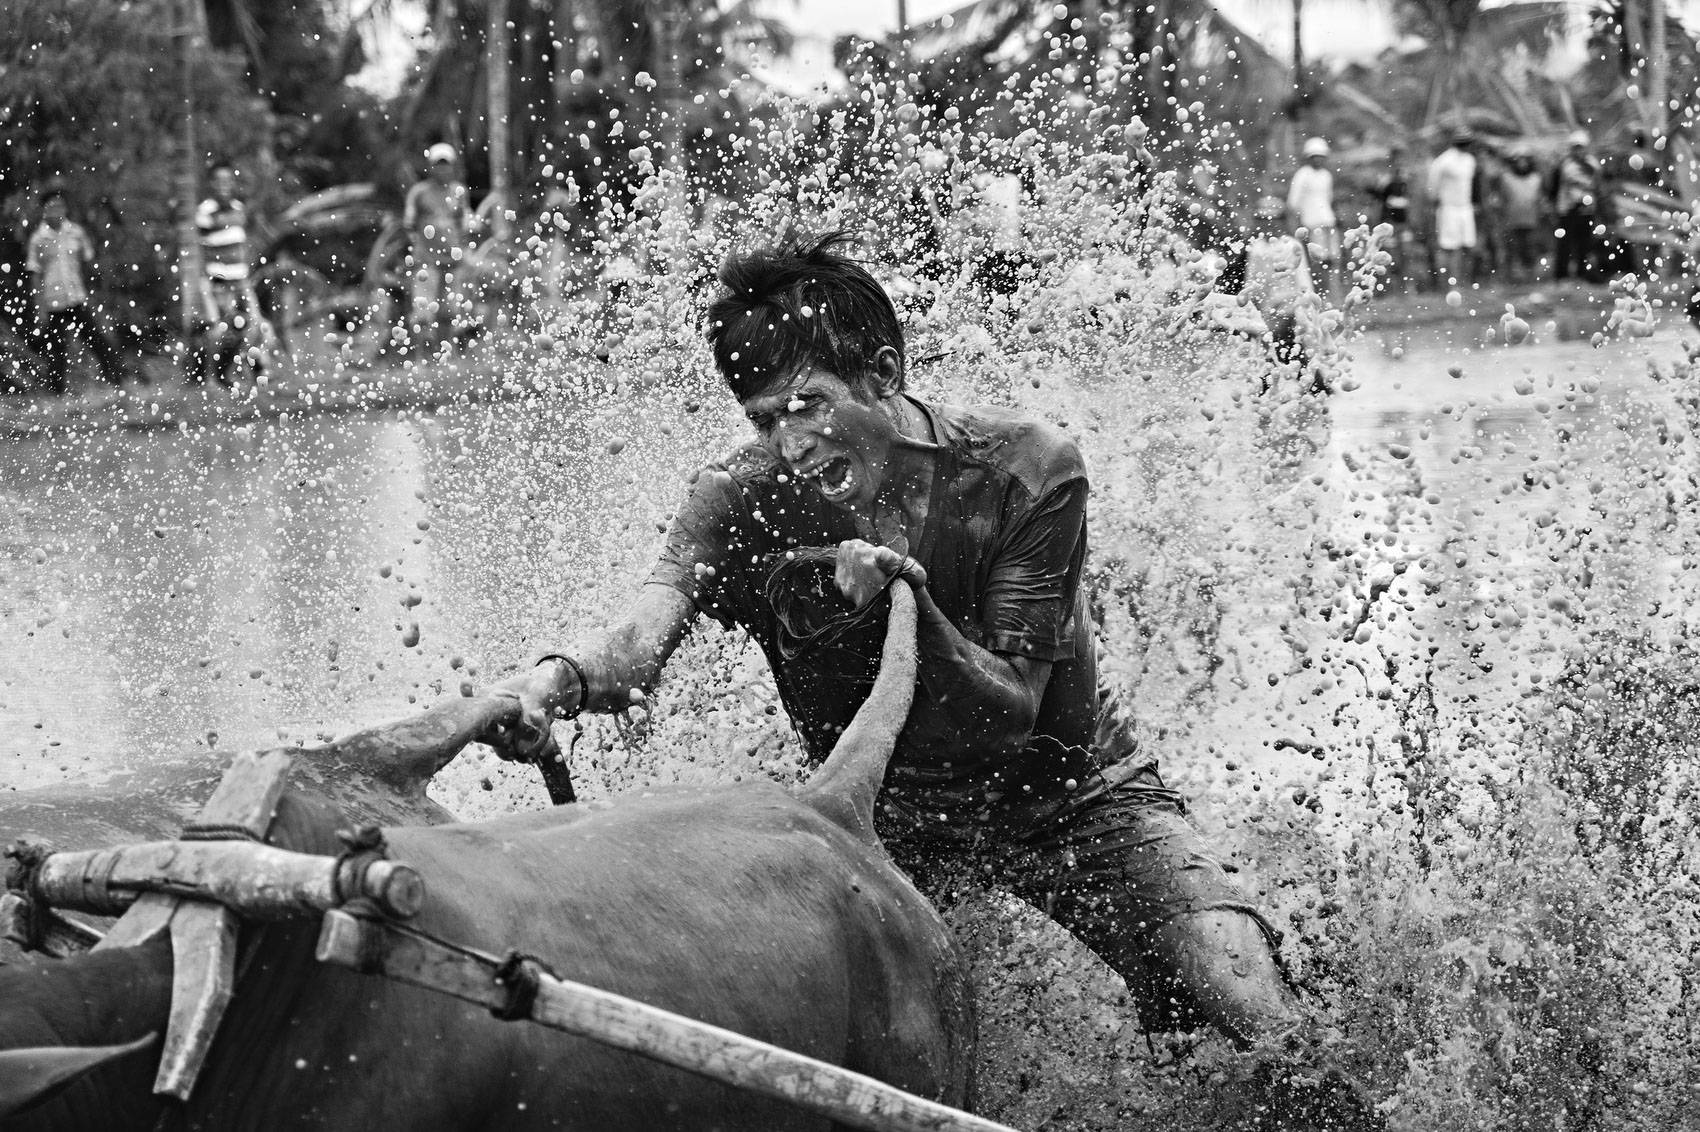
{"x": 438, "y": 222}
{"x": 1575, "y": 201}
{"x": 1310, "y": 200}
{"x": 1451, "y": 186}
{"x": 1016, "y": 761}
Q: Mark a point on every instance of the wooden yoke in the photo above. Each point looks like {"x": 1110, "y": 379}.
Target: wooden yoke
{"x": 203, "y": 936}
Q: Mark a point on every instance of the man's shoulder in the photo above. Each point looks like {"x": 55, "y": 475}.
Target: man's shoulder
{"x": 1037, "y": 454}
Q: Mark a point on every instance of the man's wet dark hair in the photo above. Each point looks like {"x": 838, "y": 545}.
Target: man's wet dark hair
{"x": 797, "y": 302}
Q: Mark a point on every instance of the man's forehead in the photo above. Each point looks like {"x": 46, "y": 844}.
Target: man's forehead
{"x": 805, "y": 378}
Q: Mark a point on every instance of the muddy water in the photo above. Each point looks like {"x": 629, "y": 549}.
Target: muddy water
{"x": 1298, "y": 598}
{"x": 215, "y": 587}
{"x": 1452, "y": 516}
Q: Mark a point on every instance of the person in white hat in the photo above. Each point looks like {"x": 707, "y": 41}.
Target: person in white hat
{"x": 1310, "y": 201}
{"x": 438, "y": 220}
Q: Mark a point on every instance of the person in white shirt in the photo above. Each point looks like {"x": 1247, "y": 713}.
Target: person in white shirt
{"x": 1451, "y": 186}
{"x": 59, "y": 252}
{"x": 1310, "y": 202}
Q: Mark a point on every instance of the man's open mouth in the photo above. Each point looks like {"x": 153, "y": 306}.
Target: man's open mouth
{"x": 834, "y": 477}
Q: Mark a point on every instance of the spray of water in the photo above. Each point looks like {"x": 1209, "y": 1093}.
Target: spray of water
{"x": 1431, "y": 695}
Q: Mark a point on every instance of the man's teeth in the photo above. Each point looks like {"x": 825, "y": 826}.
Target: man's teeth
{"x": 833, "y": 476}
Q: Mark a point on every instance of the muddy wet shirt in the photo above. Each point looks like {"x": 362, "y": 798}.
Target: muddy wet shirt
{"x": 1003, "y": 546}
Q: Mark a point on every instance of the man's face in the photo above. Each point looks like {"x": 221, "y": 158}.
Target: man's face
{"x": 442, "y": 172}
{"x": 224, "y": 184}
{"x": 826, "y": 434}
{"x": 53, "y": 211}
{"x": 1317, "y": 160}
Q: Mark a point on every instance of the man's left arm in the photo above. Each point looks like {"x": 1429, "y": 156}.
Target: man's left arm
{"x": 993, "y": 697}
{"x": 993, "y": 690}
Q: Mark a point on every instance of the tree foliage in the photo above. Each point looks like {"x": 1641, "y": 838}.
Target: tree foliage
{"x": 91, "y": 103}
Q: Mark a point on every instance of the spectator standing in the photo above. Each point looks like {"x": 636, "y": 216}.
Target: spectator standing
{"x": 1393, "y": 195}
{"x": 232, "y": 310}
{"x": 1310, "y": 203}
{"x": 1640, "y": 175}
{"x": 59, "y": 252}
{"x": 1271, "y": 272}
{"x": 1576, "y": 203}
{"x": 438, "y": 219}
{"x": 1518, "y": 192}
{"x": 1451, "y": 186}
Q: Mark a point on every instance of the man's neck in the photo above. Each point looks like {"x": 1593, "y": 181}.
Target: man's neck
{"x": 900, "y": 513}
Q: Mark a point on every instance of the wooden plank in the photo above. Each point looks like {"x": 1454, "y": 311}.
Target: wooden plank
{"x": 203, "y": 977}
{"x": 852, "y": 1099}
{"x": 248, "y": 794}
{"x": 148, "y": 917}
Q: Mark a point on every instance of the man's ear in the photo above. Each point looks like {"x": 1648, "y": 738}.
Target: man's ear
{"x": 887, "y": 376}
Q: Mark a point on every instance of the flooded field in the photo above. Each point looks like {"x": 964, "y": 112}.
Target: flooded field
{"x": 1341, "y": 621}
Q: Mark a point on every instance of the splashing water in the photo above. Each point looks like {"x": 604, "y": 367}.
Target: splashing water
{"x": 1417, "y": 645}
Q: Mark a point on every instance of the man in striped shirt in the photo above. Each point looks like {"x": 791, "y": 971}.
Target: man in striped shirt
{"x": 231, "y": 308}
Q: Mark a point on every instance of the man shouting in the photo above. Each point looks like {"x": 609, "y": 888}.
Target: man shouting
{"x": 1014, "y": 758}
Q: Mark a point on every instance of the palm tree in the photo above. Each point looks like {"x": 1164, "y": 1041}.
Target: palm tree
{"x": 568, "y": 62}
{"x": 190, "y": 22}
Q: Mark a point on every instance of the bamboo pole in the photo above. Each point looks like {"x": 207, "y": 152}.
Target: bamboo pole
{"x": 375, "y": 947}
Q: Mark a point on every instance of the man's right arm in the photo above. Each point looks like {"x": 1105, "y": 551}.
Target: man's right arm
{"x": 630, "y": 657}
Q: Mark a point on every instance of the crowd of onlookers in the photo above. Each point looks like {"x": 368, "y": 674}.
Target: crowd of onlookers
{"x": 230, "y": 337}
{"x": 1474, "y": 211}
{"x": 1477, "y": 210}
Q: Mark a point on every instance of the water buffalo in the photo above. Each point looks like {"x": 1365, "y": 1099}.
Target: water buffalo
{"x": 774, "y": 914}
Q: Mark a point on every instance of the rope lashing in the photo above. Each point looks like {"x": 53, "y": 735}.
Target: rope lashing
{"x": 25, "y": 858}
{"x": 219, "y": 831}
{"x": 520, "y": 976}
{"x": 361, "y": 848}
{"x": 812, "y": 614}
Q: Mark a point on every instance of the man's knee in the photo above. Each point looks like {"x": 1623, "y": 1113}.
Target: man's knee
{"x": 1222, "y": 960}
